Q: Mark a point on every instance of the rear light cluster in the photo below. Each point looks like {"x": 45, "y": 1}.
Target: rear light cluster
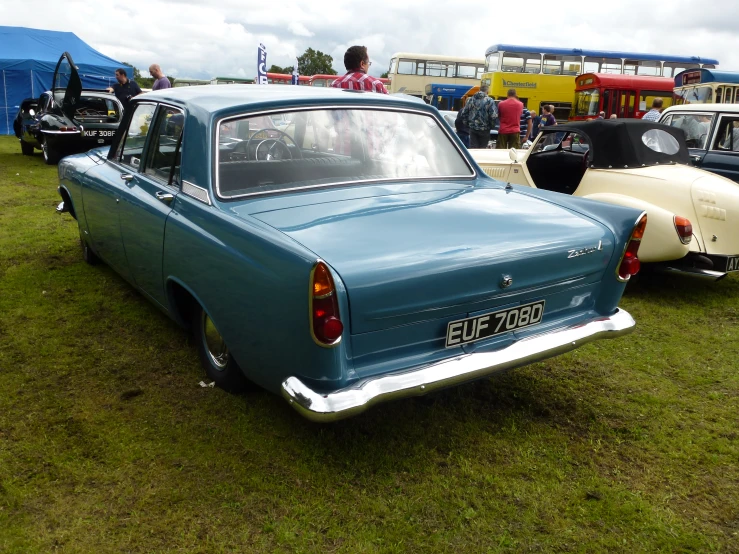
{"x": 630, "y": 263}
{"x": 69, "y": 129}
{"x": 684, "y": 229}
{"x": 325, "y": 321}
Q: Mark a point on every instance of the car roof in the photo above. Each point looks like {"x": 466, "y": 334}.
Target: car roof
{"x": 619, "y": 143}
{"x": 217, "y": 99}
{"x": 734, "y": 108}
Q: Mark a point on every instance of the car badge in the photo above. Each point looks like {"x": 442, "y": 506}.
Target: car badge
{"x": 585, "y": 251}
{"x": 506, "y": 281}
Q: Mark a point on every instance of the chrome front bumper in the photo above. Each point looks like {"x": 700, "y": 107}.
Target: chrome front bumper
{"x": 359, "y": 396}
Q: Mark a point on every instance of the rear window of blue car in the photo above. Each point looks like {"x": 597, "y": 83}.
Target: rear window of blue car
{"x": 313, "y": 148}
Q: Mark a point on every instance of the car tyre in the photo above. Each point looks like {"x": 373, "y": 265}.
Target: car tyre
{"x": 87, "y": 253}
{"x": 215, "y": 357}
{"x": 26, "y": 149}
{"x": 51, "y": 156}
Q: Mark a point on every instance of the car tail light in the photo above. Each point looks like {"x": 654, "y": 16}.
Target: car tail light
{"x": 630, "y": 264}
{"x": 325, "y": 321}
{"x": 71, "y": 129}
{"x": 684, "y": 229}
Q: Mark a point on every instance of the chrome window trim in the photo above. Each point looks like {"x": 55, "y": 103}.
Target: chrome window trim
{"x": 124, "y": 138}
{"x": 215, "y": 175}
{"x": 186, "y": 185}
{"x": 716, "y": 127}
{"x": 182, "y": 141}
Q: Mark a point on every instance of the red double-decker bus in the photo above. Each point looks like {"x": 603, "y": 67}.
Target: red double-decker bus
{"x": 326, "y": 80}
{"x": 627, "y": 96}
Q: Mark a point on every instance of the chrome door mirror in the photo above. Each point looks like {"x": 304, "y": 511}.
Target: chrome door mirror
{"x": 513, "y": 155}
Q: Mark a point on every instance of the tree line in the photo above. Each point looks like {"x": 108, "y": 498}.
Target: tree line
{"x": 311, "y": 62}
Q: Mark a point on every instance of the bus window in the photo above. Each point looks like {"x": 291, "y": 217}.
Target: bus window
{"x": 521, "y": 63}
{"x": 587, "y": 102}
{"x": 492, "y": 62}
{"x": 602, "y": 65}
{"x": 466, "y": 71}
{"x": 480, "y": 71}
{"x": 673, "y": 68}
{"x": 410, "y": 67}
{"x": 728, "y": 95}
{"x": 457, "y": 104}
{"x": 562, "y": 65}
{"x": 653, "y": 68}
{"x": 439, "y": 69}
{"x": 646, "y": 97}
{"x": 393, "y": 66}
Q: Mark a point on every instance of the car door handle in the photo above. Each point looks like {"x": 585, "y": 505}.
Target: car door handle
{"x": 127, "y": 177}
{"x": 164, "y": 196}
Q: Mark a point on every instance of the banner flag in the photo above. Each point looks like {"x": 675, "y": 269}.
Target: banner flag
{"x": 261, "y": 65}
{"x": 296, "y": 73}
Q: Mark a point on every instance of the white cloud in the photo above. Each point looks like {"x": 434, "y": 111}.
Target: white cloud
{"x": 202, "y": 38}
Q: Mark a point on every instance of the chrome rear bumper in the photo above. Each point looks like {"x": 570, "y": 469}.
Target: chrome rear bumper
{"x": 359, "y": 396}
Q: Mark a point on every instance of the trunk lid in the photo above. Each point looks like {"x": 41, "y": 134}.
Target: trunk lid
{"x": 412, "y": 257}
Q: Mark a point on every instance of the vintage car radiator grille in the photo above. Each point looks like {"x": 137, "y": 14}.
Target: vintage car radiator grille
{"x": 494, "y": 172}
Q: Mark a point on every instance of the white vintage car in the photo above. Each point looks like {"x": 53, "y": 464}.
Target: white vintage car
{"x": 693, "y": 214}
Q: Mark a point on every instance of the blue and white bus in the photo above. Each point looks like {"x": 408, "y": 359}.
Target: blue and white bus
{"x": 446, "y": 97}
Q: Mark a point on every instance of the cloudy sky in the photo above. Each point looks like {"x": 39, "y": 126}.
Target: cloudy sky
{"x": 200, "y": 39}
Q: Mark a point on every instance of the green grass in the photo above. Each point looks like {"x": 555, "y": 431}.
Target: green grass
{"x": 108, "y": 444}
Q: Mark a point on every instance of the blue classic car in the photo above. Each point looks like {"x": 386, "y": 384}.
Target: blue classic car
{"x": 342, "y": 248}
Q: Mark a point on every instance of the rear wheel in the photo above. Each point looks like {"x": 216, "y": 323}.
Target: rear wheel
{"x": 214, "y": 355}
{"x": 51, "y": 155}
{"x": 26, "y": 149}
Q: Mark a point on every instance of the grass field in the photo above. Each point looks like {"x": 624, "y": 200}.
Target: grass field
{"x": 108, "y": 444}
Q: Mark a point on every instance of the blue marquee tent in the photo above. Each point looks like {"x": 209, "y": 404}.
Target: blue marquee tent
{"x": 28, "y": 58}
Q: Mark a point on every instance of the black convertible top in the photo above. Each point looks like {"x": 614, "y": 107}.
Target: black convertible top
{"x": 619, "y": 143}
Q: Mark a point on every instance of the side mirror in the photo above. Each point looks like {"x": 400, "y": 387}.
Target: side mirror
{"x": 32, "y": 112}
{"x": 513, "y": 155}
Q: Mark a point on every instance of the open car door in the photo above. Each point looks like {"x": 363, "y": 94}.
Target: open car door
{"x": 68, "y": 80}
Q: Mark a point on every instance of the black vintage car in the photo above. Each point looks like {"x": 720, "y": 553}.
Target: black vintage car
{"x": 67, "y": 119}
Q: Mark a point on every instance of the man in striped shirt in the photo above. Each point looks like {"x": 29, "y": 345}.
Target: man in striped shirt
{"x": 357, "y": 63}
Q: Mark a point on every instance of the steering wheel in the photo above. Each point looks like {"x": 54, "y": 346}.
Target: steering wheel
{"x": 274, "y": 142}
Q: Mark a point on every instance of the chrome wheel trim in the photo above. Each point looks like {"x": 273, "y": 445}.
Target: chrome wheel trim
{"x": 214, "y": 344}
{"x": 45, "y": 149}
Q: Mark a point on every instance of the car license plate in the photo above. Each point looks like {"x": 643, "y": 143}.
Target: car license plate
{"x": 485, "y": 326}
{"x": 98, "y": 133}
{"x": 732, "y": 263}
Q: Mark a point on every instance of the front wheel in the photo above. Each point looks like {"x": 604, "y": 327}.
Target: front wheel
{"x": 51, "y": 155}
{"x": 26, "y": 149}
{"x": 214, "y": 355}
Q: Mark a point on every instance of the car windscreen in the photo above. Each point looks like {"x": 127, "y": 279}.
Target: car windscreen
{"x": 695, "y": 125}
{"x": 312, "y": 148}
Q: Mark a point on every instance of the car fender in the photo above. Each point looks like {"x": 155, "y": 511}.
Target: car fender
{"x": 661, "y": 242}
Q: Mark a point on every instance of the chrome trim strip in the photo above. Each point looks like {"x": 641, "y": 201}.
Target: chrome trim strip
{"x": 215, "y": 176}
{"x": 696, "y": 272}
{"x": 196, "y": 192}
{"x": 48, "y": 132}
{"x": 356, "y": 398}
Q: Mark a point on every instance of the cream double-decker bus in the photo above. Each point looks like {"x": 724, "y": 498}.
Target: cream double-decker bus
{"x": 410, "y": 73}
